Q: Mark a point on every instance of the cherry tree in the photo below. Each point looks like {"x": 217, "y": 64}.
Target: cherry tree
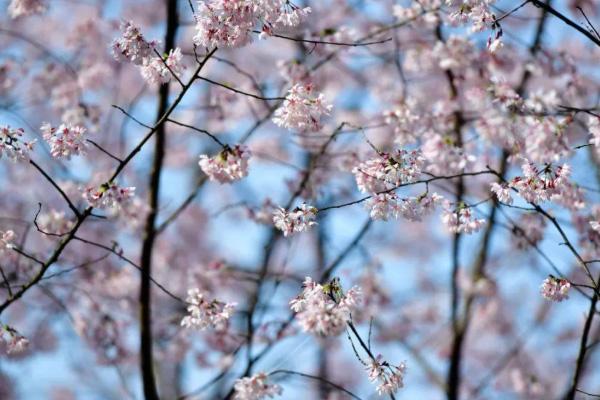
{"x": 336, "y": 199}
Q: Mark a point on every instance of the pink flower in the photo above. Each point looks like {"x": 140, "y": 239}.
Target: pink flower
{"x": 389, "y": 378}
{"x": 229, "y": 23}
{"x": 65, "y": 141}
{"x": 108, "y": 195}
{"x": 12, "y": 146}
{"x": 132, "y": 46}
{"x": 302, "y": 109}
{"x": 55, "y": 222}
{"x": 461, "y": 220}
{"x": 255, "y": 387}
{"x": 228, "y": 166}
{"x": 206, "y": 313}
{"x": 154, "y": 70}
{"x": 555, "y": 289}
{"x": 502, "y": 192}
{"x": 325, "y": 309}
{"x": 21, "y": 8}
{"x": 297, "y": 220}
{"x": 6, "y": 240}
{"x": 15, "y": 343}
{"x": 388, "y": 171}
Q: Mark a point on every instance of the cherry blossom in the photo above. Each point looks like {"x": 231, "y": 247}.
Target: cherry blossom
{"x": 65, "y": 141}
{"x": 108, "y": 195}
{"x": 383, "y": 206}
{"x": 6, "y": 240}
{"x": 388, "y": 170}
{"x": 205, "y": 313}
{"x": 300, "y": 219}
{"x": 230, "y": 165}
{"x": 540, "y": 185}
{"x": 461, "y": 219}
{"x": 229, "y": 23}
{"x": 11, "y": 145}
{"x": 405, "y": 120}
{"x": 415, "y": 208}
{"x": 324, "y": 309}
{"x": 156, "y": 70}
{"x": 593, "y": 123}
{"x": 444, "y": 156}
{"x": 15, "y": 343}
{"x": 132, "y": 46}
{"x": 302, "y": 109}
{"x": 502, "y": 192}
{"x": 256, "y": 387}
{"x": 555, "y": 289}
{"x": 20, "y": 8}
{"x": 54, "y": 222}
{"x": 389, "y": 378}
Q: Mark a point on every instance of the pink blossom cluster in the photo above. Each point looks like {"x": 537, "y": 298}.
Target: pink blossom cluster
{"x": 418, "y": 8}
{"x": 230, "y": 165}
{"x": 299, "y": 219}
{"x": 539, "y": 185}
{"x": 65, "y": 141}
{"x": 324, "y": 309}
{"x": 54, "y": 222}
{"x": 475, "y": 11}
{"x": 6, "y": 240}
{"x": 256, "y": 387}
{"x": 157, "y": 70}
{"x": 302, "y": 109}
{"x": 132, "y": 46}
{"x": 11, "y": 144}
{"x": 14, "y": 341}
{"x": 555, "y": 289}
{"x": 460, "y": 219}
{"x": 456, "y": 52}
{"x": 230, "y": 23}
{"x": 405, "y": 121}
{"x": 22, "y": 8}
{"x": 388, "y": 171}
{"x": 594, "y": 128}
{"x": 205, "y": 313}
{"x": 444, "y": 156}
{"x": 108, "y": 195}
{"x": 389, "y": 377}
{"x": 382, "y": 206}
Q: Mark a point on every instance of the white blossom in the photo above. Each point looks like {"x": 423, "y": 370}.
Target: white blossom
{"x": 21, "y": 8}
{"x": 228, "y": 166}
{"x": 325, "y": 309}
{"x": 132, "y": 46}
{"x": 205, "y": 313}
{"x": 555, "y": 289}
{"x": 65, "y": 141}
{"x": 388, "y": 171}
{"x": 389, "y": 378}
{"x": 298, "y": 220}
{"x": 302, "y": 109}
{"x": 108, "y": 195}
{"x": 255, "y": 387}
{"x": 461, "y": 220}
{"x": 156, "y": 70}
{"x": 11, "y": 145}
